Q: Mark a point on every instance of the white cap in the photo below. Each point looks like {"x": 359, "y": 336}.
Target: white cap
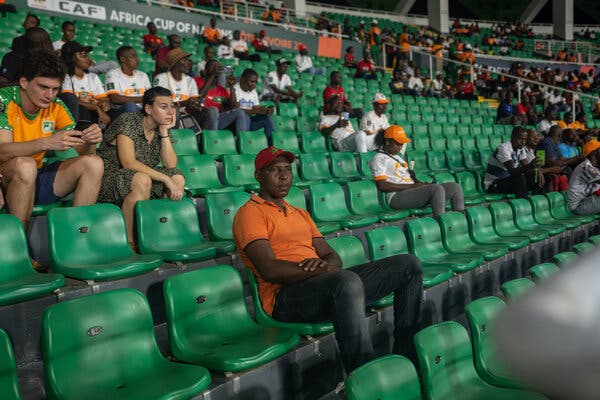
{"x": 380, "y": 98}
{"x": 374, "y": 22}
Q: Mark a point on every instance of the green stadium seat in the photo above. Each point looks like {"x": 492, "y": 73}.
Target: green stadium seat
{"x": 288, "y": 110}
{"x": 483, "y": 232}
{"x": 220, "y": 210}
{"x": 286, "y": 140}
{"x": 468, "y": 143}
{"x": 100, "y": 230}
{"x": 363, "y": 161}
{"x": 542, "y": 215}
{"x": 559, "y": 210}
{"x": 284, "y": 123}
{"x": 18, "y": 280}
{"x": 363, "y": 200}
{"x": 303, "y": 328}
{"x": 96, "y": 348}
{"x": 463, "y": 130}
{"x": 456, "y": 239}
{"x": 524, "y": 218}
{"x": 343, "y": 166}
{"x": 516, "y": 287}
{"x": 217, "y": 331}
{"x": 425, "y": 242}
{"x": 201, "y": 177}
{"x": 481, "y": 314}
{"x": 563, "y": 258}
{"x": 388, "y": 377}
{"x": 453, "y": 143}
{"x": 43, "y": 209}
{"x": 238, "y": 171}
{"x": 171, "y": 230}
{"x": 420, "y": 159}
{"x": 184, "y": 142}
{"x": 455, "y": 160}
{"x": 467, "y": 182}
{"x": 483, "y": 143}
{"x": 446, "y": 363}
{"x": 315, "y": 167}
{"x": 421, "y": 143}
{"x": 443, "y": 177}
{"x": 504, "y": 223}
{"x": 306, "y": 124}
{"x": 296, "y": 198}
{"x": 251, "y": 142}
{"x": 471, "y": 160}
{"x": 390, "y": 240}
{"x": 313, "y": 142}
{"x": 595, "y": 239}
{"x": 9, "y": 382}
{"x": 217, "y": 143}
{"x": 583, "y": 247}
{"x": 436, "y": 161}
{"x": 543, "y": 271}
{"x": 328, "y": 204}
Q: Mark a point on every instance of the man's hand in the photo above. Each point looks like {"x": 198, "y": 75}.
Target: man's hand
{"x": 342, "y": 123}
{"x": 92, "y": 134}
{"x": 63, "y": 140}
{"x": 311, "y": 264}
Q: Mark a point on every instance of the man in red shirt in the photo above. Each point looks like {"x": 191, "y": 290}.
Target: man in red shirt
{"x": 260, "y": 43}
{"x": 335, "y": 88}
{"x": 366, "y": 68}
{"x": 152, "y": 42}
{"x": 161, "y": 54}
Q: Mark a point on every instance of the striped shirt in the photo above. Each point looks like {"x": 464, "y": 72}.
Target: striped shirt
{"x": 496, "y": 168}
{"x": 584, "y": 181}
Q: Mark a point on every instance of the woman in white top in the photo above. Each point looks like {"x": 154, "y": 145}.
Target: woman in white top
{"x": 85, "y": 86}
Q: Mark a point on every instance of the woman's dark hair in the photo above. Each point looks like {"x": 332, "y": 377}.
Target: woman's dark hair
{"x": 46, "y": 64}
{"x": 68, "y": 58}
{"x": 152, "y": 94}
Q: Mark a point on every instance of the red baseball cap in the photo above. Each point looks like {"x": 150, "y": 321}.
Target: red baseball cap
{"x": 266, "y": 156}
{"x": 302, "y": 46}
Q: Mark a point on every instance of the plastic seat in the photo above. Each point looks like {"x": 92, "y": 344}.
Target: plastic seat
{"x": 543, "y": 271}
{"x": 363, "y": 200}
{"x": 303, "y": 328}
{"x": 251, "y": 142}
{"x": 201, "y": 177}
{"x": 420, "y": 159}
{"x": 390, "y": 240}
{"x": 343, "y": 166}
{"x": 288, "y": 110}
{"x": 565, "y": 257}
{"x": 446, "y": 363}
{"x": 504, "y": 224}
{"x": 286, "y": 140}
{"x": 363, "y": 161}
{"x": 559, "y": 210}
{"x": 217, "y": 143}
{"x": 390, "y": 377}
{"x": 455, "y": 236}
{"x": 328, "y": 204}
{"x": 98, "y": 234}
{"x": 425, "y": 242}
{"x": 583, "y": 247}
{"x": 481, "y": 314}
{"x": 171, "y": 230}
{"x": 184, "y": 142}
{"x": 542, "y": 215}
{"x": 220, "y": 210}
{"x": 238, "y": 171}
{"x": 516, "y": 287}
{"x": 9, "y": 382}
{"x": 595, "y": 239}
{"x": 296, "y": 198}
{"x": 524, "y": 218}
{"x": 218, "y": 332}
{"x": 315, "y": 167}
{"x": 18, "y": 280}
{"x": 103, "y": 347}
{"x": 467, "y": 182}
{"x": 436, "y": 161}
{"x": 313, "y": 142}
{"x": 455, "y": 160}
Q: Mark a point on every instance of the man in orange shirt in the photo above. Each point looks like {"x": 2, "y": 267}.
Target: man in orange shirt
{"x": 212, "y": 34}
{"x": 301, "y": 278}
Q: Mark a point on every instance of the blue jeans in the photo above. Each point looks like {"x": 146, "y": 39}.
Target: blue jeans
{"x": 262, "y": 122}
{"x": 221, "y": 120}
{"x": 342, "y": 296}
{"x": 315, "y": 71}
{"x": 124, "y": 108}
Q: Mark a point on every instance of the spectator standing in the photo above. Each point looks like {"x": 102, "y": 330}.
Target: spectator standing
{"x": 152, "y": 42}
{"x": 161, "y": 64}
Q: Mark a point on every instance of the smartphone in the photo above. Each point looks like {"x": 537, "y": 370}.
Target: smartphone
{"x": 540, "y": 156}
{"x": 82, "y": 125}
{"x": 345, "y": 116}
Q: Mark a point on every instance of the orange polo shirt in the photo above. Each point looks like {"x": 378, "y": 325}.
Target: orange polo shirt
{"x": 290, "y": 235}
{"x": 212, "y": 34}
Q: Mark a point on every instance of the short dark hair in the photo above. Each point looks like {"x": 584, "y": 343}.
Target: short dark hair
{"x": 121, "y": 52}
{"x": 37, "y": 19}
{"x": 151, "y": 95}
{"x": 248, "y": 72}
{"x": 45, "y": 64}
{"x": 67, "y": 23}
{"x": 517, "y": 130}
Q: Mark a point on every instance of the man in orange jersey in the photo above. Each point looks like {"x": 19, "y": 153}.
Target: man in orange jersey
{"x": 211, "y": 34}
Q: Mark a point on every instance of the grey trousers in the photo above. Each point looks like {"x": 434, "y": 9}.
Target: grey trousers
{"x": 434, "y": 195}
{"x": 588, "y": 206}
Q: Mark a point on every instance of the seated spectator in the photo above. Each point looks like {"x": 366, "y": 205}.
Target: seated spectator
{"x": 401, "y": 187}
{"x": 209, "y": 54}
{"x": 152, "y": 42}
{"x": 466, "y": 88}
{"x": 36, "y": 40}
{"x": 132, "y": 149}
{"x": 567, "y": 122}
{"x": 261, "y": 44}
{"x": 304, "y": 64}
{"x": 545, "y": 124}
{"x": 526, "y": 111}
{"x": 580, "y": 121}
{"x": 372, "y": 125}
{"x": 557, "y": 101}
{"x": 33, "y": 121}
{"x": 549, "y": 144}
{"x": 240, "y": 49}
{"x": 278, "y": 85}
{"x": 415, "y": 84}
{"x": 399, "y": 83}
{"x": 366, "y": 68}
{"x": 584, "y": 184}
{"x": 349, "y": 59}
{"x": 568, "y": 144}
{"x": 221, "y": 104}
{"x": 547, "y": 177}
{"x": 301, "y": 279}
{"x": 507, "y": 113}
{"x": 68, "y": 34}
{"x": 224, "y": 51}
{"x": 160, "y": 58}
{"x": 438, "y": 86}
{"x": 336, "y": 124}
{"x": 596, "y": 110}
{"x": 508, "y": 170}
{"x": 126, "y": 85}
{"x": 211, "y": 34}
{"x": 271, "y": 14}
{"x": 335, "y": 88}
{"x": 18, "y": 44}
{"x": 92, "y": 103}
{"x": 247, "y": 98}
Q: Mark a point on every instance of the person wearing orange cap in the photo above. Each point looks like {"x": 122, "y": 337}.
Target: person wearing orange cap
{"x": 301, "y": 279}
{"x": 584, "y": 184}
{"x": 304, "y": 64}
{"x": 403, "y": 190}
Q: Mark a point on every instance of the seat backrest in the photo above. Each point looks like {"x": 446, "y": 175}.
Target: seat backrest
{"x": 364, "y": 159}
{"x": 200, "y": 171}
{"x": 467, "y": 182}
{"x": 424, "y": 237}
{"x": 184, "y": 141}
{"x": 95, "y": 341}
{"x": 218, "y": 142}
{"x": 288, "y": 110}
{"x": 9, "y": 383}
{"x": 543, "y": 271}
{"x": 481, "y": 314}
{"x": 455, "y": 230}
{"x": 296, "y": 197}
{"x": 522, "y": 212}
{"x": 436, "y": 160}
{"x": 314, "y": 166}
{"x": 203, "y": 306}
{"x": 502, "y": 216}
{"x": 327, "y": 202}
{"x": 363, "y": 198}
{"x": 385, "y": 242}
{"x": 443, "y": 177}
{"x": 286, "y": 140}
{"x": 238, "y": 169}
{"x": 516, "y": 287}
{"x": 97, "y": 232}
{"x": 557, "y": 202}
{"x": 14, "y": 257}
{"x": 541, "y": 207}
{"x": 350, "y": 250}
{"x": 454, "y": 158}
{"x": 313, "y": 142}
{"x": 220, "y": 210}
{"x": 251, "y": 142}
{"x": 343, "y": 165}
{"x": 388, "y": 377}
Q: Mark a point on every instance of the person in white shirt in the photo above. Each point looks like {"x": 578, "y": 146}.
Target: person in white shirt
{"x": 544, "y": 125}
{"x": 372, "y": 125}
{"x": 259, "y": 116}
{"x": 278, "y": 85}
{"x": 304, "y": 64}
{"x": 336, "y": 124}
{"x": 240, "y": 48}
{"x": 557, "y": 101}
{"x": 584, "y": 184}
{"x": 126, "y": 85}
{"x": 181, "y": 85}
{"x": 224, "y": 51}
{"x": 68, "y": 34}
{"x": 402, "y": 190}
{"x": 415, "y": 84}
{"x": 209, "y": 54}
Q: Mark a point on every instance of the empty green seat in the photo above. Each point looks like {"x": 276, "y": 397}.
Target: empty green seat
{"x": 238, "y": 171}
{"x": 467, "y": 182}
{"x": 436, "y": 161}
{"x": 542, "y": 271}
{"x": 595, "y": 239}
{"x": 425, "y": 242}
{"x": 209, "y": 323}
{"x": 363, "y": 160}
{"x": 481, "y": 314}
{"x": 9, "y": 382}
{"x": 524, "y": 219}
{"x": 18, "y": 280}
{"x": 220, "y": 210}
{"x": 251, "y": 142}
{"x": 583, "y": 247}
{"x": 303, "y": 328}
{"x": 103, "y": 347}
{"x": 564, "y": 257}
{"x": 390, "y": 240}
{"x": 516, "y": 287}
{"x": 313, "y": 142}
{"x": 542, "y": 215}
{"x": 455, "y": 236}
{"x": 98, "y": 235}
{"x": 328, "y": 204}
{"x": 296, "y": 198}
{"x": 171, "y": 230}
{"x": 184, "y": 142}
{"x": 455, "y": 160}
{"x": 363, "y": 199}
{"x": 504, "y": 223}
{"x": 343, "y": 166}
{"x": 315, "y": 167}
{"x": 288, "y": 110}
{"x": 391, "y": 377}
{"x": 218, "y": 143}
{"x": 483, "y": 232}
{"x": 559, "y": 210}
{"x": 446, "y": 363}
{"x": 287, "y": 140}
{"x": 201, "y": 177}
